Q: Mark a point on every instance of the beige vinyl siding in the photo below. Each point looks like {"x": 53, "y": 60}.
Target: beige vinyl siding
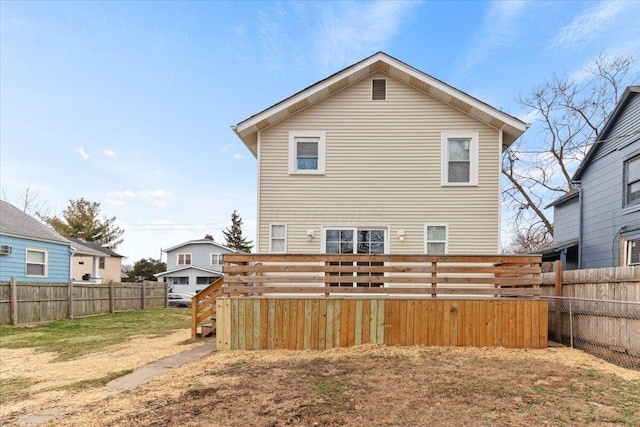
{"x": 383, "y": 168}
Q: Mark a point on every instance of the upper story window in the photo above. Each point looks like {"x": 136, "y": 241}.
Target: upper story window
{"x": 460, "y": 158}
{"x": 307, "y": 152}
{"x": 633, "y": 252}
{"x": 632, "y": 180}
{"x": 278, "y": 238}
{"x": 184, "y": 259}
{"x": 36, "y": 263}
{"x": 436, "y": 238}
{"x": 216, "y": 259}
{"x": 378, "y": 89}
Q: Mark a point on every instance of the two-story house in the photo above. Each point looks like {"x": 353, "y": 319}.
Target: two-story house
{"x": 379, "y": 158}
{"x": 29, "y": 250}
{"x": 597, "y": 224}
{"x": 193, "y": 265}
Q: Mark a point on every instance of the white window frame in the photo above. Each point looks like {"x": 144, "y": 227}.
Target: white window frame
{"x": 474, "y": 139}
{"x": 321, "y": 136}
{"x": 184, "y": 254}
{"x": 627, "y": 184}
{"x": 45, "y": 263}
{"x": 271, "y": 238}
{"x": 427, "y": 241}
{"x": 385, "y": 90}
{"x": 217, "y": 256}
{"x": 629, "y": 244}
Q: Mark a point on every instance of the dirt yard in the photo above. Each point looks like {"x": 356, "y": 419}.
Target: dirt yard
{"x": 362, "y": 386}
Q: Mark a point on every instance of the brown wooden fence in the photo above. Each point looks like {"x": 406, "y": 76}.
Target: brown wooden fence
{"x": 596, "y": 310}
{"x": 22, "y": 303}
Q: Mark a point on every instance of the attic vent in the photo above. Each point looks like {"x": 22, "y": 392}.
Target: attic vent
{"x": 6, "y": 250}
{"x": 378, "y": 89}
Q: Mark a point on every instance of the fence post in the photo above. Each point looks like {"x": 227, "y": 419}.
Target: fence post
{"x": 70, "y": 299}
{"x": 14, "y": 301}
{"x": 112, "y": 302}
{"x": 558, "y": 302}
{"x": 570, "y": 324}
{"x": 144, "y": 287}
{"x": 166, "y": 295}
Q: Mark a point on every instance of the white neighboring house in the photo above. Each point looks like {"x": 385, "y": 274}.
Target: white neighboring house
{"x": 193, "y": 265}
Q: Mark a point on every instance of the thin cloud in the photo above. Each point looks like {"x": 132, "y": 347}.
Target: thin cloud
{"x": 109, "y": 153}
{"x": 158, "y": 197}
{"x": 588, "y": 26}
{"x": 238, "y": 156}
{"x": 357, "y": 29}
{"x": 82, "y": 153}
{"x": 500, "y": 25}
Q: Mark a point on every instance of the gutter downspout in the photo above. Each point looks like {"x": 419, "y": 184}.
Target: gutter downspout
{"x": 580, "y": 225}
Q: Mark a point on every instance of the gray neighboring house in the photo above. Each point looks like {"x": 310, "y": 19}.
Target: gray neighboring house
{"x": 597, "y": 224}
{"x": 193, "y": 265}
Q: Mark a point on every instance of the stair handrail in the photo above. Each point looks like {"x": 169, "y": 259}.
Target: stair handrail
{"x": 203, "y": 304}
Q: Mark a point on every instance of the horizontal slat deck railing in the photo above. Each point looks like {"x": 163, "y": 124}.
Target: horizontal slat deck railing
{"x": 203, "y": 305}
{"x": 495, "y": 275}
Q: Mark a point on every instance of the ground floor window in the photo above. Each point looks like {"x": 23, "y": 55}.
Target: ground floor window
{"x": 436, "y": 240}
{"x": 178, "y": 280}
{"x": 633, "y": 252}
{"x": 355, "y": 240}
{"x": 36, "y": 263}
{"x": 201, "y": 280}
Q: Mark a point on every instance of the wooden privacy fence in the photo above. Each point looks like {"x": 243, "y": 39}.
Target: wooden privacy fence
{"x": 596, "y": 310}
{"x": 413, "y": 275}
{"x": 40, "y": 302}
{"x": 323, "y": 301}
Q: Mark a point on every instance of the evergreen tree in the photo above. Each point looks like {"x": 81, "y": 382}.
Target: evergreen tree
{"x": 233, "y": 235}
{"x": 144, "y": 270}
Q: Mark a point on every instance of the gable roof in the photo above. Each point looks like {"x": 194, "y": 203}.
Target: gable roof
{"x": 248, "y": 129}
{"x": 628, "y": 94}
{"x": 199, "y": 242}
{"x": 569, "y": 195}
{"x": 84, "y": 247}
{"x": 189, "y": 267}
{"x": 15, "y": 223}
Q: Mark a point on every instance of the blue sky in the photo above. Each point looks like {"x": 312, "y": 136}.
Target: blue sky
{"x": 130, "y": 103}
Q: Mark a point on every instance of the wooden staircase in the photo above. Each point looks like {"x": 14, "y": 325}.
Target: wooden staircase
{"x": 203, "y": 309}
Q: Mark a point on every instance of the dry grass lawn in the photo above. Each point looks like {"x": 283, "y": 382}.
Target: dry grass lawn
{"x": 370, "y": 385}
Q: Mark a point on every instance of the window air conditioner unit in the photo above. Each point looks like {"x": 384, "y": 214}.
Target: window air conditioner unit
{"x": 6, "y": 250}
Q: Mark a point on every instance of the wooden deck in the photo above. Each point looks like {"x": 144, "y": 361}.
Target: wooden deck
{"x": 325, "y": 301}
{"x": 305, "y": 324}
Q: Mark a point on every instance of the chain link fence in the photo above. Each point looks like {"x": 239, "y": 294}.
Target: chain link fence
{"x": 607, "y": 329}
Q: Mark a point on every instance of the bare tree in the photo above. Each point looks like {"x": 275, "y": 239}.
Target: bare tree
{"x": 568, "y": 114}
{"x": 31, "y": 203}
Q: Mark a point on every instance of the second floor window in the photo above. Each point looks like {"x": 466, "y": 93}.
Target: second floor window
{"x": 216, "y": 259}
{"x": 306, "y": 152}
{"x": 632, "y": 180}
{"x": 184, "y": 259}
{"x": 460, "y": 158}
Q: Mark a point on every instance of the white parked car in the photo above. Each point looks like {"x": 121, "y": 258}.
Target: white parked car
{"x": 179, "y": 300}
